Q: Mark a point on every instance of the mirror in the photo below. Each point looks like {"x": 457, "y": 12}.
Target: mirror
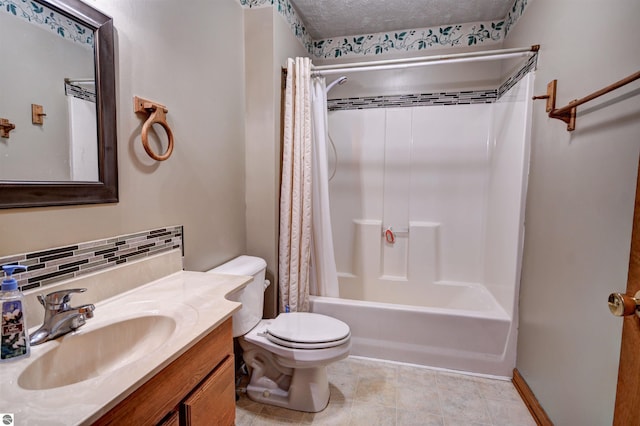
{"x": 65, "y": 67}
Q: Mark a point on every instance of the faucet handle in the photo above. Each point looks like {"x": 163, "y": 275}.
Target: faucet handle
{"x": 58, "y": 298}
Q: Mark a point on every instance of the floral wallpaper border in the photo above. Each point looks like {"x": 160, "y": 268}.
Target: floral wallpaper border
{"x": 49, "y": 20}
{"x": 469, "y": 34}
{"x": 410, "y": 40}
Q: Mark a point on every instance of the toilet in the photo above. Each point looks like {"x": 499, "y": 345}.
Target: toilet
{"x": 288, "y": 355}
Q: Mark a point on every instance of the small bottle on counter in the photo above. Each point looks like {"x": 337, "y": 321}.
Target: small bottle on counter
{"x": 15, "y": 338}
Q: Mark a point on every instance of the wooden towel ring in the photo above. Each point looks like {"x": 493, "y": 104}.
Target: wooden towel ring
{"x": 158, "y": 116}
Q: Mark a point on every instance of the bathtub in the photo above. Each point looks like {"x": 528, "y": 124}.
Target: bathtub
{"x": 471, "y": 334}
{"x": 443, "y": 290}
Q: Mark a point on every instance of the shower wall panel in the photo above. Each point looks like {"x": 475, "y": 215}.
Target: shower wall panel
{"x": 448, "y": 180}
{"x": 423, "y": 172}
{"x": 509, "y": 156}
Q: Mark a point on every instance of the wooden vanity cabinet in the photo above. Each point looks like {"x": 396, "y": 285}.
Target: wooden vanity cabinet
{"x": 196, "y": 389}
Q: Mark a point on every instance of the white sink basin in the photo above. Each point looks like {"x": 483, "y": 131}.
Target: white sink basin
{"x": 87, "y": 354}
{"x": 134, "y": 335}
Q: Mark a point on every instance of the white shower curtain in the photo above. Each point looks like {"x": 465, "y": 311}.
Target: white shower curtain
{"x": 304, "y": 189}
{"x": 324, "y": 274}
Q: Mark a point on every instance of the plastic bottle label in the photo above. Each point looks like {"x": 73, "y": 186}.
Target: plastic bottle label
{"x": 14, "y": 343}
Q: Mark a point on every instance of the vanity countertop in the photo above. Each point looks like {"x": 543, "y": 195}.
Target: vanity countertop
{"x": 196, "y": 301}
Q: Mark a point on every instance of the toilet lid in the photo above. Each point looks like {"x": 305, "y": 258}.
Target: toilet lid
{"x": 305, "y": 330}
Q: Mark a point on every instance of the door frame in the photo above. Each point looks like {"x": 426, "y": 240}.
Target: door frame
{"x": 627, "y": 406}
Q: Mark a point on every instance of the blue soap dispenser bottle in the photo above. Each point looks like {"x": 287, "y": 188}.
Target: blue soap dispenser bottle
{"x": 15, "y": 336}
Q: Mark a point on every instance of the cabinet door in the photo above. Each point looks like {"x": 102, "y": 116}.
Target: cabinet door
{"x": 214, "y": 401}
{"x": 172, "y": 420}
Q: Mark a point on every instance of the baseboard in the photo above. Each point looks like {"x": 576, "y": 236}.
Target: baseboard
{"x": 530, "y": 400}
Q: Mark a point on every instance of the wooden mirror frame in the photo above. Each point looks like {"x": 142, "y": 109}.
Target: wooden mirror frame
{"x": 40, "y": 194}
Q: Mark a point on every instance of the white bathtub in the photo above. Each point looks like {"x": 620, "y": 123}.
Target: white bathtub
{"x": 473, "y": 335}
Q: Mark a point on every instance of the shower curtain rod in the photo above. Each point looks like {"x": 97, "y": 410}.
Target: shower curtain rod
{"x": 79, "y": 80}
{"x": 425, "y": 60}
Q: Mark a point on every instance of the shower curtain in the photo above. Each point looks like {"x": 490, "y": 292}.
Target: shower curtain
{"x": 295, "y": 190}
{"x": 303, "y": 166}
{"x": 83, "y": 146}
{"x": 324, "y": 273}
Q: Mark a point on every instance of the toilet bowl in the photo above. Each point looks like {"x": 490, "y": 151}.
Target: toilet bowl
{"x": 287, "y": 355}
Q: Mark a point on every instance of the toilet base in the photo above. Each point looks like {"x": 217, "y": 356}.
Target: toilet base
{"x": 272, "y": 383}
{"x": 286, "y": 377}
{"x": 308, "y": 390}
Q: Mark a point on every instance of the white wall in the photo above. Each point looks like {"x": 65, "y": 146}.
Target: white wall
{"x": 580, "y": 205}
{"x": 481, "y": 75}
{"x": 269, "y": 41}
{"x": 189, "y": 57}
{"x": 478, "y": 75}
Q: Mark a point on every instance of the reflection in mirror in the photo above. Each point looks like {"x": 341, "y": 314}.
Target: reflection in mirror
{"x": 58, "y": 90}
{"x": 53, "y": 150}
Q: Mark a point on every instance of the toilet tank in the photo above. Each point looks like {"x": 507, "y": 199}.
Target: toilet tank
{"x": 251, "y": 296}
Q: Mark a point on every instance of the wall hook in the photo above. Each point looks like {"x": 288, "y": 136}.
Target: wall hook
{"x": 5, "y": 127}
{"x": 37, "y": 114}
{"x": 157, "y": 114}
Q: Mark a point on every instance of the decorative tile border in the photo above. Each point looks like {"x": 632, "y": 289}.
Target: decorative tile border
{"x": 49, "y": 20}
{"x": 529, "y": 66}
{"x": 80, "y": 92}
{"x": 469, "y": 34}
{"x": 54, "y": 265}
{"x": 421, "y": 99}
{"x": 436, "y": 98}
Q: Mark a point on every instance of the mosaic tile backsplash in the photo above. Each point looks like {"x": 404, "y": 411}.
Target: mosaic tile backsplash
{"x": 463, "y": 34}
{"x": 50, "y": 266}
{"x": 436, "y": 98}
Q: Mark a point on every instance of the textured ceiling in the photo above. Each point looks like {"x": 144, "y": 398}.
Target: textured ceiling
{"x": 333, "y": 18}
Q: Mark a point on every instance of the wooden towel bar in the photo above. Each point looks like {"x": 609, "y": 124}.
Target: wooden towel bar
{"x": 568, "y": 113}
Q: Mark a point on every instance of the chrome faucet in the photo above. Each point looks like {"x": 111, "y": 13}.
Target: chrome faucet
{"x": 59, "y": 317}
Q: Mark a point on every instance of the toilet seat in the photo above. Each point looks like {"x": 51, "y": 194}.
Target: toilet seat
{"x": 299, "y": 345}
{"x": 305, "y": 330}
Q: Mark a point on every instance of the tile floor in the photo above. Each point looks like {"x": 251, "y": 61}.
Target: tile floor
{"x": 367, "y": 392}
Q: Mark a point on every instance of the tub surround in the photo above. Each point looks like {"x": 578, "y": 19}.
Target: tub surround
{"x": 195, "y": 300}
{"x": 454, "y": 196}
